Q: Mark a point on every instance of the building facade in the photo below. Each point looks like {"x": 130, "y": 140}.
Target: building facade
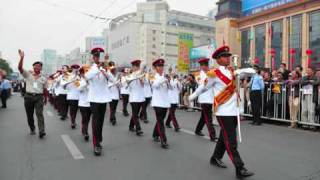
{"x": 48, "y": 58}
{"x": 154, "y": 32}
{"x": 271, "y": 32}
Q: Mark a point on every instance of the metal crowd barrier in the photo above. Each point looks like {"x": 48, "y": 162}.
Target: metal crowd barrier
{"x": 276, "y": 107}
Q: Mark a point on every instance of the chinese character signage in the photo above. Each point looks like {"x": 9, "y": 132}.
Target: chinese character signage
{"x": 185, "y": 43}
{"x": 250, "y": 7}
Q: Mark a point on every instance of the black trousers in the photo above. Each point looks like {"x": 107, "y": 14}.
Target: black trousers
{"x": 143, "y": 112}
{"x": 125, "y": 100}
{"x": 172, "y": 116}
{"x": 73, "y": 104}
{"x": 206, "y": 119}
{"x": 98, "y": 112}
{"x": 63, "y": 105}
{"x": 34, "y": 104}
{"x": 113, "y": 109}
{"x": 256, "y": 103}
{"x": 85, "y": 114}
{"x": 159, "y": 130}
{"x": 4, "y": 97}
{"x": 134, "y": 121}
{"x": 228, "y": 140}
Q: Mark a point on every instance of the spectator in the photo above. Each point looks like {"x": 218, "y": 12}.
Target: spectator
{"x": 299, "y": 69}
{"x": 309, "y": 85}
{"x": 294, "y": 102}
{"x": 267, "y": 94}
{"x": 5, "y": 88}
{"x": 285, "y": 72}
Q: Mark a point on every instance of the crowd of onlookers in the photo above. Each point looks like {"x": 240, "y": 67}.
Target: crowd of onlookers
{"x": 288, "y": 94}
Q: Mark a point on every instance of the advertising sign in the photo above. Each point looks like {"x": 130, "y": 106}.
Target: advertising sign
{"x": 250, "y": 7}
{"x": 185, "y": 43}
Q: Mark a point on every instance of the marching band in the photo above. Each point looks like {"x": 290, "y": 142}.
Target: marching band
{"x": 91, "y": 87}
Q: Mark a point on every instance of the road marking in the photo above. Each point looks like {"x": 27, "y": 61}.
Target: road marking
{"x": 75, "y": 152}
{"x": 49, "y": 113}
{"x": 192, "y": 133}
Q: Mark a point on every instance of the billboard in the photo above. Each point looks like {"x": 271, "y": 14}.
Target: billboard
{"x": 250, "y": 7}
{"x": 185, "y": 43}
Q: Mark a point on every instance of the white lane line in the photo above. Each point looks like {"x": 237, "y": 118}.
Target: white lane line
{"x": 75, "y": 152}
{"x": 49, "y": 113}
{"x": 192, "y": 133}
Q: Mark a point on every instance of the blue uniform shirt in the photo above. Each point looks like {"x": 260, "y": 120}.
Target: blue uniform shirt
{"x": 256, "y": 83}
{"x": 5, "y": 84}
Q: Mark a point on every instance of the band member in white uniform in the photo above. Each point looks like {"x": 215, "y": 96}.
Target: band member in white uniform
{"x": 147, "y": 94}
{"x": 84, "y": 104}
{"x": 223, "y": 82}
{"x": 174, "y": 95}
{"x": 205, "y": 99}
{"x": 160, "y": 101}
{"x": 114, "y": 93}
{"x": 62, "y": 93}
{"x": 98, "y": 96}
{"x": 136, "y": 96}
{"x": 124, "y": 92}
{"x": 73, "y": 94}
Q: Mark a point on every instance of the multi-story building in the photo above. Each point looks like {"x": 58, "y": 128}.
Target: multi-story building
{"x": 97, "y": 41}
{"x": 48, "y": 57}
{"x": 271, "y": 32}
{"x": 154, "y": 31}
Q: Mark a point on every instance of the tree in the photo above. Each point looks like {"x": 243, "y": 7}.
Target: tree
{"x": 5, "y": 66}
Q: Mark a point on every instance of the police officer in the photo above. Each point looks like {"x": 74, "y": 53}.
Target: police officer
{"x": 98, "y": 96}
{"x": 36, "y": 94}
{"x": 205, "y": 100}
{"x": 73, "y": 94}
{"x": 136, "y": 96}
{"x": 160, "y": 102}
{"x": 223, "y": 82}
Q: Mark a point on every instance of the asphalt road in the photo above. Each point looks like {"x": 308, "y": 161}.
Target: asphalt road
{"x": 272, "y": 152}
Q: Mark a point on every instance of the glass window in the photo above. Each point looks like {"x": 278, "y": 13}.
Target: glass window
{"x": 152, "y": 17}
{"x": 295, "y": 40}
{"x": 314, "y": 43}
{"x": 245, "y": 48}
{"x": 260, "y": 41}
{"x": 276, "y": 41}
{"x": 224, "y": 6}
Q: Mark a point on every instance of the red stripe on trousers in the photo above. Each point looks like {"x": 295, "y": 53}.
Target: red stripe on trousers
{"x": 226, "y": 140}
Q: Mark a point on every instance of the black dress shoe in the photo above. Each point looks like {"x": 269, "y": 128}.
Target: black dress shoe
{"x": 97, "y": 151}
{"x": 168, "y": 126}
{"x": 32, "y": 132}
{"x": 73, "y": 126}
{"x": 63, "y": 118}
{"x": 125, "y": 113}
{"x": 156, "y": 139}
{"x": 199, "y": 133}
{"x": 86, "y": 137}
{"x": 164, "y": 145}
{"x": 139, "y": 133}
{"x": 146, "y": 121}
{"x": 131, "y": 129}
{"x": 217, "y": 162}
{"x": 42, "y": 134}
{"x": 177, "y": 129}
{"x": 243, "y": 173}
{"x": 214, "y": 139}
{"x": 113, "y": 122}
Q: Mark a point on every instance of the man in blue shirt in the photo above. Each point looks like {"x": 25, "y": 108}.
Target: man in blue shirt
{"x": 5, "y": 91}
{"x": 256, "y": 86}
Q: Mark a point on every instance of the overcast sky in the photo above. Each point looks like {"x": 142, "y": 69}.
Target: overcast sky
{"x": 34, "y": 25}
